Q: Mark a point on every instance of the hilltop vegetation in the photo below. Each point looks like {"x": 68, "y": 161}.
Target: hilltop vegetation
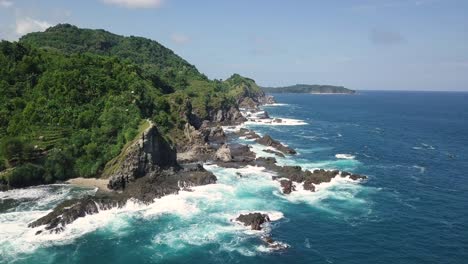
{"x": 306, "y": 88}
{"x": 72, "y": 98}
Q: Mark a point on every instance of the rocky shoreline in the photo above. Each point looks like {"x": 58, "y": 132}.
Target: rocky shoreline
{"x": 151, "y": 168}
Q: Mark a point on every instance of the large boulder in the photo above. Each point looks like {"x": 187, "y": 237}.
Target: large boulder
{"x": 254, "y": 220}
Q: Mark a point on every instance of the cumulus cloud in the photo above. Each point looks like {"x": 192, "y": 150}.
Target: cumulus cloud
{"x": 178, "y": 38}
{"x": 386, "y": 37}
{"x": 5, "y": 3}
{"x": 27, "y": 25}
{"x": 136, "y": 3}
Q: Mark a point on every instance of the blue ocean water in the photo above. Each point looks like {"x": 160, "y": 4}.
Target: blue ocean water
{"x": 412, "y": 209}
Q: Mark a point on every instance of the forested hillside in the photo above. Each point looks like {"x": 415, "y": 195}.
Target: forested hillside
{"x": 72, "y": 98}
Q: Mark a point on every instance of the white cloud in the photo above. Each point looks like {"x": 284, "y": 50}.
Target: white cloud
{"x": 136, "y": 3}
{"x": 180, "y": 38}
{"x": 5, "y": 3}
{"x": 27, "y": 25}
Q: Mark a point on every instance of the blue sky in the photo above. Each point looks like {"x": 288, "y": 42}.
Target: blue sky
{"x": 361, "y": 44}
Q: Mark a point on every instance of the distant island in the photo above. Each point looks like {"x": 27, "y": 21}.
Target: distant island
{"x": 311, "y": 89}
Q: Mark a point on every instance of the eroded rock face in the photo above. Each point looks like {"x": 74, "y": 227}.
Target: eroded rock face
{"x": 148, "y": 154}
{"x": 226, "y": 116}
{"x": 254, "y": 220}
{"x": 268, "y": 141}
{"x": 223, "y": 154}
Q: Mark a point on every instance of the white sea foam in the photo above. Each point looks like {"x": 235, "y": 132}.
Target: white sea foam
{"x": 345, "y": 156}
{"x": 276, "y": 122}
{"x": 275, "y": 104}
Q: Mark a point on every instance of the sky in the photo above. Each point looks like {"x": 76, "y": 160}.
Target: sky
{"x": 360, "y": 44}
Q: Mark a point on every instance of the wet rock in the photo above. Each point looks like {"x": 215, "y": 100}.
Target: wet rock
{"x": 279, "y": 154}
{"x": 247, "y": 133}
{"x": 70, "y": 210}
{"x": 274, "y": 245}
{"x": 268, "y": 141}
{"x": 287, "y": 186}
{"x": 309, "y": 186}
{"x": 254, "y": 220}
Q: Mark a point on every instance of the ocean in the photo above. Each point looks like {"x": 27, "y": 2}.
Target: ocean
{"x": 413, "y": 208}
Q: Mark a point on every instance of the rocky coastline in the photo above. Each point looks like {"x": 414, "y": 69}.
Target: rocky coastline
{"x": 150, "y": 168}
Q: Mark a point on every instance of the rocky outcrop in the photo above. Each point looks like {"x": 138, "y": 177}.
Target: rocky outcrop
{"x": 226, "y": 116}
{"x": 289, "y": 174}
{"x": 223, "y": 154}
{"x": 267, "y": 99}
{"x": 268, "y": 141}
{"x": 247, "y": 133}
{"x": 155, "y": 184}
{"x": 287, "y": 186}
{"x": 70, "y": 210}
{"x": 147, "y": 154}
{"x": 279, "y": 154}
{"x": 254, "y": 220}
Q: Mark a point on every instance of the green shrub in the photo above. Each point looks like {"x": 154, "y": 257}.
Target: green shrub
{"x": 26, "y": 175}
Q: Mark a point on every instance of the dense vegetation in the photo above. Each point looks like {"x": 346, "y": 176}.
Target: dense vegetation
{"x": 72, "y": 98}
{"x": 306, "y": 88}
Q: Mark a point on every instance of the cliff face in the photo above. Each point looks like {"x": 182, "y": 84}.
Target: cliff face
{"x": 149, "y": 153}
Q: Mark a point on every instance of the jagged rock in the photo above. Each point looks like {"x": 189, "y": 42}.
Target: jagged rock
{"x": 223, "y": 154}
{"x": 296, "y": 174}
{"x": 277, "y": 120}
{"x": 287, "y": 186}
{"x": 70, "y": 210}
{"x": 226, "y": 116}
{"x": 216, "y": 135}
{"x": 254, "y": 220}
{"x": 309, "y": 186}
{"x": 148, "y": 154}
{"x": 247, "y": 133}
{"x": 279, "y": 154}
{"x": 274, "y": 245}
{"x": 267, "y": 99}
{"x": 268, "y": 141}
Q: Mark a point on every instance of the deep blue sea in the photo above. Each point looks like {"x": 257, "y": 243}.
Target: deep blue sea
{"x": 413, "y": 146}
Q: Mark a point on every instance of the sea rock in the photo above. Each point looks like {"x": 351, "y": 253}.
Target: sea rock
{"x": 268, "y": 141}
{"x": 279, "y": 154}
{"x": 254, "y": 220}
{"x": 274, "y": 245}
{"x": 296, "y": 174}
{"x": 287, "y": 186}
{"x": 247, "y": 133}
{"x": 70, "y": 210}
{"x": 309, "y": 186}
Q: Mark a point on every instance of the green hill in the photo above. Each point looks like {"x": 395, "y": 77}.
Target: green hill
{"x": 311, "y": 89}
{"x": 73, "y": 98}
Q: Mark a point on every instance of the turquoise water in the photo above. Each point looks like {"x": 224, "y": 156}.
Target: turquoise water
{"x": 413, "y": 208}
